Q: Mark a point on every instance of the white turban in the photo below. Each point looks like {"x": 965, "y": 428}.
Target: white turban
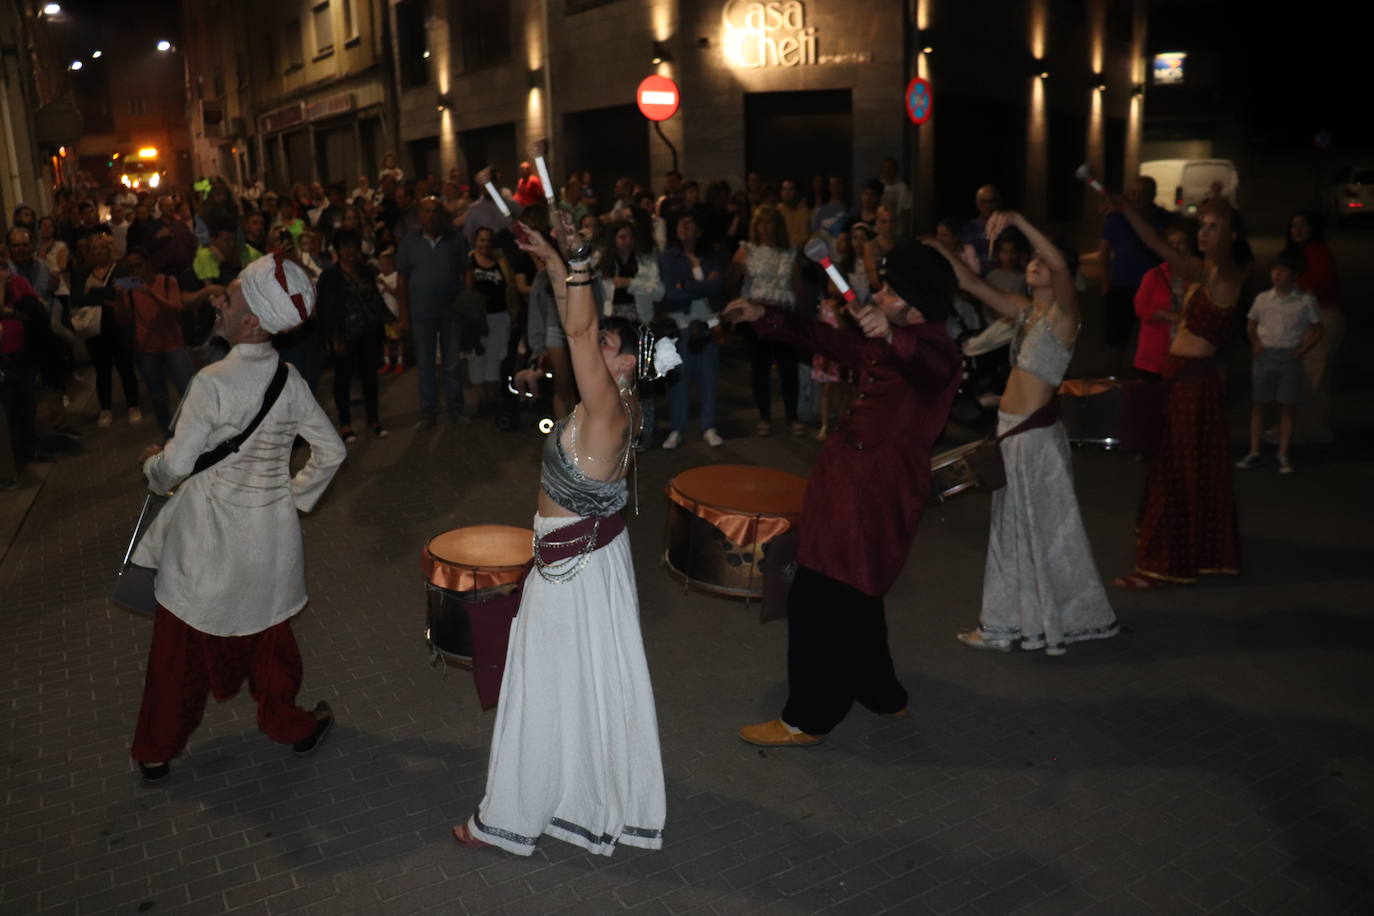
{"x": 278, "y": 291}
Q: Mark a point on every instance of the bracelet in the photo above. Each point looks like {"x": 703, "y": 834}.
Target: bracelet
{"x": 572, "y": 282}
{"x": 575, "y": 264}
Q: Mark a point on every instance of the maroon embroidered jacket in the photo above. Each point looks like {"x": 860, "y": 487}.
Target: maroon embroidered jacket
{"x": 868, "y": 487}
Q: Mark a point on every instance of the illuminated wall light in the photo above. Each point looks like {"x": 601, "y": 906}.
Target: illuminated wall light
{"x": 1099, "y": 84}
{"x": 660, "y": 53}
{"x": 75, "y": 65}
{"x": 1044, "y": 74}
{"x": 52, "y": 9}
{"x": 927, "y": 50}
{"x": 426, "y": 54}
{"x": 164, "y": 45}
{"x": 97, "y": 54}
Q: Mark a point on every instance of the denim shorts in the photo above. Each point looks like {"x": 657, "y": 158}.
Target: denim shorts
{"x": 1276, "y": 377}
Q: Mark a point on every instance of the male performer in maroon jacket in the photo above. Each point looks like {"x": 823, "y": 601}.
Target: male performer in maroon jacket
{"x": 866, "y": 493}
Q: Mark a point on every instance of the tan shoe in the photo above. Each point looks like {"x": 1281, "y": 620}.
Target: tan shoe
{"x": 777, "y": 733}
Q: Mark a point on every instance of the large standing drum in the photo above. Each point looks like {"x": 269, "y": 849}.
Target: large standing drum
{"x": 465, "y": 569}
{"x": 720, "y": 520}
{"x": 1112, "y": 413}
{"x": 951, "y": 473}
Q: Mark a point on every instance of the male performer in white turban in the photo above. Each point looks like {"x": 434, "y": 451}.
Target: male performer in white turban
{"x": 227, "y": 546}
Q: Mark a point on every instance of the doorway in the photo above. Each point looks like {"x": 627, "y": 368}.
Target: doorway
{"x": 611, "y": 143}
{"x": 799, "y": 134}
{"x": 492, "y": 147}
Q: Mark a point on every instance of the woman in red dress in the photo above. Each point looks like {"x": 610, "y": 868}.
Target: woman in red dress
{"x": 1187, "y": 521}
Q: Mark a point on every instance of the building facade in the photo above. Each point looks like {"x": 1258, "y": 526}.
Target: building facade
{"x": 39, "y": 120}
{"x": 293, "y": 91}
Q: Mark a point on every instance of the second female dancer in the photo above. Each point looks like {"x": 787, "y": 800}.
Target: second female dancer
{"x": 575, "y": 752}
{"x": 1040, "y": 584}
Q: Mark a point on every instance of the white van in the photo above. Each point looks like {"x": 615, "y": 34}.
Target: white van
{"x": 1182, "y": 184}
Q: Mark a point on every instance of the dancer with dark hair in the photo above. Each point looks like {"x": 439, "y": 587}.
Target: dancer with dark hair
{"x": 574, "y": 753}
{"x": 866, "y": 493}
{"x": 1040, "y": 584}
{"x": 1187, "y": 522}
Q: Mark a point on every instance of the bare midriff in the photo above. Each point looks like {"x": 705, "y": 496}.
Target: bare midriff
{"x": 1025, "y": 393}
{"x": 1186, "y": 343}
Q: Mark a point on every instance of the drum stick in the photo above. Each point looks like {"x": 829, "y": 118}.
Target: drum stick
{"x": 539, "y": 148}
{"x": 484, "y": 179}
{"x": 818, "y": 251}
{"x": 1085, "y": 174}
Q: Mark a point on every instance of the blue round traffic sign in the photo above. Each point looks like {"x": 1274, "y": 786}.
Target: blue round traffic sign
{"x": 918, "y": 100}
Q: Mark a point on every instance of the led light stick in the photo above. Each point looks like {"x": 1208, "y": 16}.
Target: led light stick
{"x": 484, "y": 179}
{"x": 818, "y": 251}
{"x": 1085, "y": 174}
{"x": 539, "y": 148}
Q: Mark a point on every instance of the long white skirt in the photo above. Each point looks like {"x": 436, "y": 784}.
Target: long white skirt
{"x": 575, "y": 750}
{"x": 1040, "y": 583}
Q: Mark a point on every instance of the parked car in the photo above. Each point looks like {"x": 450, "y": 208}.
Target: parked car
{"x": 1182, "y": 184}
{"x": 1352, "y": 195}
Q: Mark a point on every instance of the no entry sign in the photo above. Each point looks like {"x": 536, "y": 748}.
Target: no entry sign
{"x": 918, "y": 100}
{"x": 658, "y": 97}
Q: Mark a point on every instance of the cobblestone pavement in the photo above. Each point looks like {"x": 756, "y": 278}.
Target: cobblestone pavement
{"x": 1215, "y": 758}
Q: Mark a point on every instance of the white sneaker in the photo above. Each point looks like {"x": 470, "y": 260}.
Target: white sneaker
{"x": 135, "y": 416}
{"x": 104, "y": 420}
{"x": 713, "y": 438}
{"x": 1284, "y": 466}
{"x": 673, "y": 441}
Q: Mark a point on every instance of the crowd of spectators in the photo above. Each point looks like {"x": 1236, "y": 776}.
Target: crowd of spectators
{"x": 425, "y": 273}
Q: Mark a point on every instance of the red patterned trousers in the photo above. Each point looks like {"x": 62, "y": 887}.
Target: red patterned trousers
{"x": 185, "y": 666}
{"x": 1187, "y": 521}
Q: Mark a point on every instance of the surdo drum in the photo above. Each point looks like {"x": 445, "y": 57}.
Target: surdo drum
{"x": 465, "y": 569}
{"x": 721, "y": 519}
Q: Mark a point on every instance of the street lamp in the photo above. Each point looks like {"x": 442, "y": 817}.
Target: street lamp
{"x": 74, "y": 65}
{"x": 164, "y": 45}
{"x": 97, "y": 54}
{"x": 52, "y": 9}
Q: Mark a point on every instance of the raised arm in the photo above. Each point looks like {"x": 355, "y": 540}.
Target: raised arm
{"x": 1190, "y": 268}
{"x": 1065, "y": 291}
{"x": 1009, "y": 304}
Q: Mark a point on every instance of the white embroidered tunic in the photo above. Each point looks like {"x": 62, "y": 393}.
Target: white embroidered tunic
{"x": 227, "y": 546}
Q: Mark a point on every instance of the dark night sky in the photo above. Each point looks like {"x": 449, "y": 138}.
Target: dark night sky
{"x": 1288, "y": 70}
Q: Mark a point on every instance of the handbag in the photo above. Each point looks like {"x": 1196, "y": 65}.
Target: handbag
{"x": 133, "y": 589}
{"x": 86, "y": 320}
{"x": 985, "y": 461}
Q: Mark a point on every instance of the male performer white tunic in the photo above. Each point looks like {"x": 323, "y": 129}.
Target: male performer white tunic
{"x": 227, "y": 546}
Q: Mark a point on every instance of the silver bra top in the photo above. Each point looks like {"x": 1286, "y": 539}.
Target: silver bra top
{"x": 564, "y": 483}
{"x": 1035, "y": 349}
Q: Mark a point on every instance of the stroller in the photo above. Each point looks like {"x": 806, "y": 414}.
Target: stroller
{"x": 529, "y": 395}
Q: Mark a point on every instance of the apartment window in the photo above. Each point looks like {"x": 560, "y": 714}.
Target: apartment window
{"x": 324, "y": 28}
{"x": 350, "y": 20}
{"x": 483, "y": 32}
{"x": 136, "y": 104}
{"x": 295, "y": 48}
{"x": 412, "y": 42}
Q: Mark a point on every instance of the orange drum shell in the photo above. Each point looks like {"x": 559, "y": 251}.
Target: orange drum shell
{"x": 477, "y": 557}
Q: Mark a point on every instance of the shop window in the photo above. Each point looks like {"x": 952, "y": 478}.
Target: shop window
{"x": 295, "y": 48}
{"x": 412, "y": 42}
{"x": 482, "y": 33}
{"x": 323, "y": 24}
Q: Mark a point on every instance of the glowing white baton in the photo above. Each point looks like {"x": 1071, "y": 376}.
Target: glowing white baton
{"x": 1085, "y": 174}
{"x": 538, "y": 148}
{"x": 818, "y": 251}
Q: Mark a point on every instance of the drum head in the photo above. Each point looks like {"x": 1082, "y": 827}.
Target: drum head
{"x": 483, "y": 546}
{"x": 742, "y": 488}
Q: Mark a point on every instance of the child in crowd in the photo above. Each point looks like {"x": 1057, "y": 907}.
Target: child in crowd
{"x": 1283, "y": 325}
{"x": 393, "y": 352}
{"x": 1010, "y": 273}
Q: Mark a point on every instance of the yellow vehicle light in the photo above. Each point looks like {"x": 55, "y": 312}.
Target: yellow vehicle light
{"x": 124, "y": 180}
{"x": 148, "y": 152}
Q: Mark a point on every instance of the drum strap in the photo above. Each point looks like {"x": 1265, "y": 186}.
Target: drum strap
{"x": 1041, "y": 417}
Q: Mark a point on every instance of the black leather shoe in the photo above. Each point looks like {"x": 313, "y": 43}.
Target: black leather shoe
{"x": 324, "y": 721}
{"x": 155, "y": 773}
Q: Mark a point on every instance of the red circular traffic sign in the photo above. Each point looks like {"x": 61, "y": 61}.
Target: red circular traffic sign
{"x": 658, "y": 97}
{"x": 919, "y": 100}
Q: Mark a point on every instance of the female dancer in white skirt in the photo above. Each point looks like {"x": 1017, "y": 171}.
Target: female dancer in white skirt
{"x": 575, "y": 753}
{"x": 1040, "y": 584}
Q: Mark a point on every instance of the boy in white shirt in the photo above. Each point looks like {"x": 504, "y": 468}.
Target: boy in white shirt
{"x": 1284, "y": 323}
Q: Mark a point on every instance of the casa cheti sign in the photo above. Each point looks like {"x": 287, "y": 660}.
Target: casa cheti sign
{"x": 758, "y": 34}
